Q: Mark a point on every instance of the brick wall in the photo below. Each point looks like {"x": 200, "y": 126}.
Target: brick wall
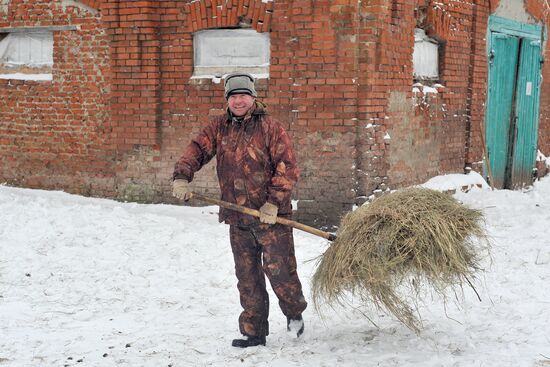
{"x": 477, "y": 78}
{"x": 541, "y": 11}
{"x": 312, "y": 90}
{"x": 55, "y": 134}
{"x": 427, "y": 128}
{"x": 122, "y": 104}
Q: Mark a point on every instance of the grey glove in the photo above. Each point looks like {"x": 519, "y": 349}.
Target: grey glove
{"x": 180, "y": 189}
{"x": 268, "y": 213}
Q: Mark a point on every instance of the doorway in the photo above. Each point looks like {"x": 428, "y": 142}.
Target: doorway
{"x": 512, "y": 111}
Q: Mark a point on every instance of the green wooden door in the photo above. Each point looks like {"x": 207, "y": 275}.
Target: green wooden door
{"x": 511, "y": 118}
{"x": 503, "y": 60}
{"x": 527, "y": 111}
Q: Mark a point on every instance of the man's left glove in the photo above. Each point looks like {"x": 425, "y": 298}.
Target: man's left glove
{"x": 268, "y": 213}
{"x": 180, "y": 189}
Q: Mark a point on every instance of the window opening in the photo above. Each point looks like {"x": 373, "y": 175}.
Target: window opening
{"x": 221, "y": 51}
{"x": 26, "y": 55}
{"x": 425, "y": 57}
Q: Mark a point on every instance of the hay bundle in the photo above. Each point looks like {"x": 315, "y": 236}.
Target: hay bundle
{"x": 411, "y": 237}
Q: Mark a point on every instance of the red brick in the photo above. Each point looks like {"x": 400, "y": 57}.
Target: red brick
{"x": 332, "y": 74}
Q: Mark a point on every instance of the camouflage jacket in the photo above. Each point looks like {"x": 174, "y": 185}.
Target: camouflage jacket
{"x": 255, "y": 162}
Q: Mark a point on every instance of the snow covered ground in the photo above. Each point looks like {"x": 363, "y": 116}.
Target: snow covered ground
{"x": 94, "y": 282}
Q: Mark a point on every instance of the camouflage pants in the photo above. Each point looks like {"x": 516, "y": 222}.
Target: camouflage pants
{"x": 269, "y": 250}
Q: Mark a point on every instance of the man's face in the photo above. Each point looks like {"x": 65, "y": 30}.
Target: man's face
{"x": 239, "y": 104}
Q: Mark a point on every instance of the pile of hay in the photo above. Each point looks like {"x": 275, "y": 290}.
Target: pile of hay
{"x": 406, "y": 239}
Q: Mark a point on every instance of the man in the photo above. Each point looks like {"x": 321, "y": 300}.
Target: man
{"x": 256, "y": 168}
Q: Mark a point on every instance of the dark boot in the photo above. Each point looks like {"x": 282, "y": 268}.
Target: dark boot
{"x": 249, "y": 341}
{"x": 295, "y": 325}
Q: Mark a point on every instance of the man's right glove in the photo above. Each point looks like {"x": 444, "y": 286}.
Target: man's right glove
{"x": 268, "y": 213}
{"x": 180, "y": 189}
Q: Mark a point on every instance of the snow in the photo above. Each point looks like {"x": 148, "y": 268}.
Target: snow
{"x": 217, "y": 78}
{"x": 455, "y": 181}
{"x": 425, "y": 88}
{"x": 22, "y": 76}
{"x": 542, "y": 157}
{"x": 95, "y": 282}
{"x": 428, "y": 89}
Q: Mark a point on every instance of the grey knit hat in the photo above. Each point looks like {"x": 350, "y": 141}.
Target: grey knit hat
{"x": 239, "y": 82}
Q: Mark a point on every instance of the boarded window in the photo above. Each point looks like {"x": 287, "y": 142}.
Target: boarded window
{"x": 24, "y": 54}
{"x": 425, "y": 56}
{"x": 4, "y": 7}
{"x": 30, "y": 49}
{"x": 222, "y": 51}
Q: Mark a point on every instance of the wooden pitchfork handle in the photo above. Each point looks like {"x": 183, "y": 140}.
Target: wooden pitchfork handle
{"x": 256, "y": 213}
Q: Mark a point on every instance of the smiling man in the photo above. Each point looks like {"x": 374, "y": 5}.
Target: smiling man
{"x": 256, "y": 168}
